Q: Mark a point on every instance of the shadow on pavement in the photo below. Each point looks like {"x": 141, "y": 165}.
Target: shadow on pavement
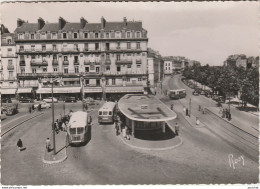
{"x": 155, "y": 135}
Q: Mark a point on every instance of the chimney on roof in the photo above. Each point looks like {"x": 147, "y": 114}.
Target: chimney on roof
{"x": 62, "y": 23}
{"x": 83, "y": 22}
{"x": 103, "y": 22}
{"x": 41, "y": 23}
{"x": 125, "y": 21}
{"x": 20, "y": 22}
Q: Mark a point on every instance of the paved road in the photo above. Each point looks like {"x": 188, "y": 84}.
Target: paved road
{"x": 203, "y": 158}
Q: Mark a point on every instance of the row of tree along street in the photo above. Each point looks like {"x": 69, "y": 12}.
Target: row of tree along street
{"x": 228, "y": 81}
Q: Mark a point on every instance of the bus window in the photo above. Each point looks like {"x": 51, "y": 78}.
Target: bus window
{"x": 72, "y": 131}
{"x": 105, "y": 113}
{"x": 100, "y": 113}
{"x": 110, "y": 113}
{"x": 80, "y": 130}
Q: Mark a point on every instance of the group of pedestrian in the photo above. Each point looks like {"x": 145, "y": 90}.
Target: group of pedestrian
{"x": 31, "y": 109}
{"x": 120, "y": 126}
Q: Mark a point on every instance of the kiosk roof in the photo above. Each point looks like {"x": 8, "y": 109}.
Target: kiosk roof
{"x": 145, "y": 108}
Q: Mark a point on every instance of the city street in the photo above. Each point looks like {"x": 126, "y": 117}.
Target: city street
{"x": 205, "y": 156}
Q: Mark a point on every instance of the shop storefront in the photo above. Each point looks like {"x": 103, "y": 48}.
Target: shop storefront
{"x": 8, "y": 93}
{"x": 59, "y": 92}
{"x": 93, "y": 92}
{"x": 25, "y": 92}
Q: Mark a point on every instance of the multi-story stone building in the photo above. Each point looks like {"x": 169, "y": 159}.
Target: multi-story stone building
{"x": 155, "y": 67}
{"x": 90, "y": 59}
{"x": 167, "y": 65}
{"x": 8, "y": 65}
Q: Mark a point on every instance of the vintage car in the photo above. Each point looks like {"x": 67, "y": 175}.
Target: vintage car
{"x": 49, "y": 100}
{"x": 44, "y": 105}
{"x": 25, "y": 100}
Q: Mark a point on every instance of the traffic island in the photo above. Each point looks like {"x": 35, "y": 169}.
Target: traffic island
{"x": 153, "y": 140}
{"x": 61, "y": 149}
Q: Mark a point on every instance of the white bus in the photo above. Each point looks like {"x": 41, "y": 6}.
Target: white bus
{"x": 106, "y": 113}
{"x": 79, "y": 128}
{"x": 177, "y": 93}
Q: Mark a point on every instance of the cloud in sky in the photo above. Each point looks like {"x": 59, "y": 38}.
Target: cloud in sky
{"x": 203, "y": 31}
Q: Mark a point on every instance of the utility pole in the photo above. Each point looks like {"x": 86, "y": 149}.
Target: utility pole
{"x": 53, "y": 129}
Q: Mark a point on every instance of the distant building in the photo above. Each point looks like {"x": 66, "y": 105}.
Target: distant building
{"x": 155, "y": 67}
{"x": 8, "y": 64}
{"x": 240, "y": 60}
{"x": 167, "y": 65}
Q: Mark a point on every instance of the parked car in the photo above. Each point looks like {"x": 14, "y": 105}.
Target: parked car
{"x": 91, "y": 102}
{"x": 12, "y": 109}
{"x": 70, "y": 99}
{"x": 202, "y": 92}
{"x": 49, "y": 100}
{"x": 221, "y": 99}
{"x": 215, "y": 97}
{"x": 25, "y": 100}
{"x": 208, "y": 94}
{"x": 195, "y": 93}
{"x": 3, "y": 115}
{"x": 44, "y": 105}
{"x": 6, "y": 100}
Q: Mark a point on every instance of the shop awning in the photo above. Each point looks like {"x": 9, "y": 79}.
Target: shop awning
{"x": 8, "y": 91}
{"x": 92, "y": 90}
{"x": 59, "y": 90}
{"x": 24, "y": 90}
{"x": 70, "y": 79}
{"x": 125, "y": 89}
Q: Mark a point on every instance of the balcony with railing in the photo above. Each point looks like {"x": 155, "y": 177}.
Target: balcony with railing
{"x": 124, "y": 61}
{"x": 55, "y": 62}
{"x": 22, "y": 63}
{"x": 76, "y": 62}
{"x": 39, "y": 63}
{"x": 70, "y": 50}
{"x": 88, "y": 62}
{"x": 10, "y": 67}
{"x": 65, "y": 62}
{"x": 37, "y": 51}
{"x": 124, "y": 73}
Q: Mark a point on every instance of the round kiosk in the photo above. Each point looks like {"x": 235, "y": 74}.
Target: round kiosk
{"x": 144, "y": 112}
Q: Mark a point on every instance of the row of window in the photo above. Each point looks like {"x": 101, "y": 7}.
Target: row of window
{"x": 75, "y": 35}
{"x": 86, "y": 46}
{"x": 76, "y": 69}
{"x": 76, "y": 58}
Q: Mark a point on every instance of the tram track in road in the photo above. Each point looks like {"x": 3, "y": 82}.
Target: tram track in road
{"x": 18, "y": 124}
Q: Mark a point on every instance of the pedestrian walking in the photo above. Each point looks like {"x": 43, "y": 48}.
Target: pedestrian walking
{"x": 171, "y": 106}
{"x": 223, "y": 113}
{"x": 120, "y": 125}
{"x": 20, "y": 145}
{"x": 48, "y": 144}
{"x": 184, "y": 109}
{"x": 124, "y": 131}
{"x": 30, "y": 109}
{"x": 187, "y": 112}
{"x": 33, "y": 108}
{"x": 127, "y": 133}
{"x": 177, "y": 128}
{"x": 117, "y": 129}
{"x": 197, "y": 121}
{"x": 39, "y": 107}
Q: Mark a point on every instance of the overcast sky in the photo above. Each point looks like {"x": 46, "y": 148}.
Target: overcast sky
{"x": 203, "y": 31}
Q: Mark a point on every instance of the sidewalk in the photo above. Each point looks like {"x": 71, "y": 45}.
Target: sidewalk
{"x": 238, "y": 120}
{"x": 61, "y": 149}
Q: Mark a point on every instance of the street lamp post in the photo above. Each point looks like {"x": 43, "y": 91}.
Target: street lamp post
{"x": 82, "y": 82}
{"x": 53, "y": 129}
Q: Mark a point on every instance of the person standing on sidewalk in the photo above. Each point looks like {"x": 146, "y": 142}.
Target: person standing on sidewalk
{"x": 177, "y": 128}
{"x": 30, "y": 109}
{"x": 171, "y": 106}
{"x": 48, "y": 144}
{"x": 117, "y": 129}
{"x": 20, "y": 145}
{"x": 127, "y": 133}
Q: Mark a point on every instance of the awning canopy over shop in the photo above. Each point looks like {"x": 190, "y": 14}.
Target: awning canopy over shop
{"x": 70, "y": 79}
{"x": 92, "y": 90}
{"x": 59, "y": 90}
{"x": 8, "y": 91}
{"x": 125, "y": 89}
{"x": 24, "y": 90}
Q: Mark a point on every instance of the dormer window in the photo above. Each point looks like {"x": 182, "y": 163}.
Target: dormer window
{"x": 96, "y": 35}
{"x": 54, "y": 35}
{"x": 138, "y": 34}
{"x": 128, "y": 34}
{"x": 64, "y": 35}
{"x": 20, "y": 36}
{"x": 43, "y": 36}
{"x": 85, "y": 35}
{"x": 75, "y": 35}
{"x": 32, "y": 36}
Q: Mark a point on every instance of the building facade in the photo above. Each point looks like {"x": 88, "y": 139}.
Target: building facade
{"x": 8, "y": 65}
{"x": 103, "y": 59}
{"x": 155, "y": 67}
{"x": 167, "y": 66}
